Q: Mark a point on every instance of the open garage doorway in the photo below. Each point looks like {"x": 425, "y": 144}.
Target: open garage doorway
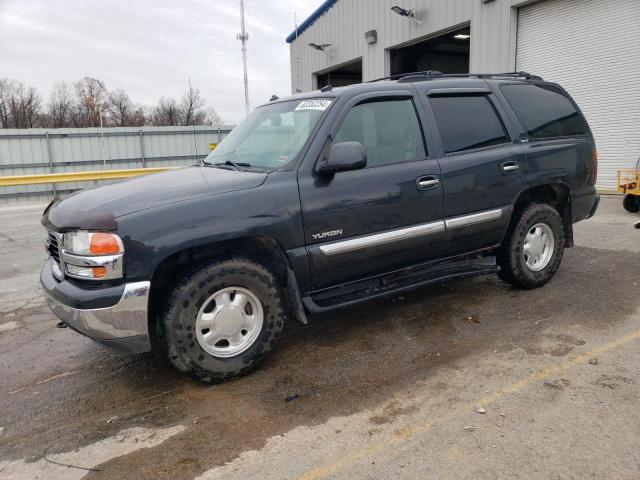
{"x": 345, "y": 74}
{"x": 446, "y": 53}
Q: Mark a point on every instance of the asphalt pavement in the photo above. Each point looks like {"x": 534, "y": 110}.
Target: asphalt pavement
{"x": 465, "y": 380}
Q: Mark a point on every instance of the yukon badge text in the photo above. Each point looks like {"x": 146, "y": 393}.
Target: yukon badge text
{"x": 330, "y": 233}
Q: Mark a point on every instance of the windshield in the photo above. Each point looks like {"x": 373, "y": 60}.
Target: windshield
{"x": 272, "y": 135}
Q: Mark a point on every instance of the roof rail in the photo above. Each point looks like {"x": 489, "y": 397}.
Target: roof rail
{"x": 398, "y": 76}
{"x": 429, "y": 74}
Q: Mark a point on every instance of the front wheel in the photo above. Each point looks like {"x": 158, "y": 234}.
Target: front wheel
{"x": 631, "y": 203}
{"x": 532, "y": 252}
{"x": 222, "y": 320}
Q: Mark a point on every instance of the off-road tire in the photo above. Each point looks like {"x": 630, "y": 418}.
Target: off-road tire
{"x": 510, "y": 257}
{"x": 631, "y": 203}
{"x": 177, "y": 324}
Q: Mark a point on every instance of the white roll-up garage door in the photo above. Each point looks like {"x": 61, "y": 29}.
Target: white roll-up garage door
{"x": 591, "y": 48}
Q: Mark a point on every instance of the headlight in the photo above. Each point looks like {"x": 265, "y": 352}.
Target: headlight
{"x": 92, "y": 243}
{"x": 92, "y": 255}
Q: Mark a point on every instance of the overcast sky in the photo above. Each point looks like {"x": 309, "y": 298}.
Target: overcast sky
{"x": 150, "y": 48}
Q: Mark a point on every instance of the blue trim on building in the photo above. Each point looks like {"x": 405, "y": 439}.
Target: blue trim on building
{"x": 312, "y": 18}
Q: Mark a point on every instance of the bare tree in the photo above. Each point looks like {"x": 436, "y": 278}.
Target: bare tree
{"x": 92, "y": 101}
{"x": 5, "y": 102}
{"x": 87, "y": 101}
{"x": 61, "y": 107}
{"x": 138, "y": 118}
{"x": 191, "y": 107}
{"x": 212, "y": 117}
{"x": 20, "y": 106}
{"x": 123, "y": 111}
{"x": 166, "y": 113}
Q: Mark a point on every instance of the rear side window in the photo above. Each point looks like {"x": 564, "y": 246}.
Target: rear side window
{"x": 544, "y": 111}
{"x": 467, "y": 122}
{"x": 387, "y": 128}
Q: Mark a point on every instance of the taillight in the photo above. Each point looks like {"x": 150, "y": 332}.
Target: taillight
{"x": 594, "y": 170}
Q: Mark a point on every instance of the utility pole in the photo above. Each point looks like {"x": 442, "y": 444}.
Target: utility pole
{"x": 243, "y": 36}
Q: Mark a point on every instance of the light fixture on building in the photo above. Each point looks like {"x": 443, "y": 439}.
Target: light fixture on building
{"x": 321, "y": 46}
{"x": 403, "y": 12}
{"x": 371, "y": 36}
{"x": 462, "y": 36}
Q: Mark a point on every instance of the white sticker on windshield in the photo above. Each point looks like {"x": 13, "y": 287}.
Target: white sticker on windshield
{"x": 314, "y": 104}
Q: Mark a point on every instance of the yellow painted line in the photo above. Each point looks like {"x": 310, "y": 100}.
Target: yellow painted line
{"x": 407, "y": 434}
{"x": 77, "y": 176}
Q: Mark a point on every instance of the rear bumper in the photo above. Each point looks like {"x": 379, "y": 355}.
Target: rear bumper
{"x": 122, "y": 326}
{"x": 584, "y": 203}
{"x": 595, "y": 206}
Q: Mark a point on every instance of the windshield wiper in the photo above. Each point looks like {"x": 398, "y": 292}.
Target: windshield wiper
{"x": 229, "y": 163}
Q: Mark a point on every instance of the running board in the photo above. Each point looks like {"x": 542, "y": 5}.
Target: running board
{"x": 397, "y": 281}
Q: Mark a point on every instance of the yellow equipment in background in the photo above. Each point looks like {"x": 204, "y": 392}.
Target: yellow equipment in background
{"x": 629, "y": 185}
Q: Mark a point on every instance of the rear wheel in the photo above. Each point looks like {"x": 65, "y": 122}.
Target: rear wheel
{"x": 532, "y": 252}
{"x": 631, "y": 203}
{"x": 222, "y": 320}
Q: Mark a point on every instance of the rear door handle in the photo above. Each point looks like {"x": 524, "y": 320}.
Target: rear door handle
{"x": 509, "y": 167}
{"x": 427, "y": 182}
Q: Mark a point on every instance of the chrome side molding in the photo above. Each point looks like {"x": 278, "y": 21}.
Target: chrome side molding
{"x": 409, "y": 232}
{"x": 382, "y": 238}
{"x": 474, "y": 218}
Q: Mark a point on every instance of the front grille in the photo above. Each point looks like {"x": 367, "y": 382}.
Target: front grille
{"x": 54, "y": 246}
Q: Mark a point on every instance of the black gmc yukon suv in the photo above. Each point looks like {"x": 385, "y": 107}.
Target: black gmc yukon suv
{"x": 323, "y": 200}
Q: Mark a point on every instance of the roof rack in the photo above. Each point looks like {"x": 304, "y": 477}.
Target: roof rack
{"x": 429, "y": 74}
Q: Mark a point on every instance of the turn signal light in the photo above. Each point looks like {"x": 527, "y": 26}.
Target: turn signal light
{"x": 104, "y": 244}
{"x": 86, "y": 272}
{"x": 99, "y": 272}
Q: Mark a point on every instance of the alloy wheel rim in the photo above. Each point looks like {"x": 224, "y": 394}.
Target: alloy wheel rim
{"x": 539, "y": 244}
{"x": 229, "y": 322}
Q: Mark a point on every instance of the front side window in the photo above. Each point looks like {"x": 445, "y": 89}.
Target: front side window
{"x": 467, "y": 122}
{"x": 388, "y": 129}
{"x": 544, "y": 111}
{"x": 272, "y": 135}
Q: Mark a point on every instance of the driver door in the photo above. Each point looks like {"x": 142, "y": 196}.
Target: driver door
{"x": 384, "y": 216}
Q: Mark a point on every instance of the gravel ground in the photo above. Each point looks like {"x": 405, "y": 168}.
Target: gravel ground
{"x": 470, "y": 379}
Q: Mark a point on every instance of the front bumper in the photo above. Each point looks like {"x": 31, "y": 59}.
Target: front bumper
{"x": 122, "y": 326}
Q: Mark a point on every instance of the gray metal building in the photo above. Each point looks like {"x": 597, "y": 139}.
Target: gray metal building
{"x": 591, "y": 47}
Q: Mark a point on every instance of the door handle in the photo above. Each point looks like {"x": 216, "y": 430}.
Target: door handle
{"x": 425, "y": 183}
{"x": 509, "y": 167}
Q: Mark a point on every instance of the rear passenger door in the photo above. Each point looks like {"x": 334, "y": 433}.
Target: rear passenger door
{"x": 483, "y": 167}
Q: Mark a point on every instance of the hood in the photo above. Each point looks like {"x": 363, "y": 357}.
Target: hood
{"x": 98, "y": 208}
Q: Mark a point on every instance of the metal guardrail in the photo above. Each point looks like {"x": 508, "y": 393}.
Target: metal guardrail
{"x": 15, "y": 180}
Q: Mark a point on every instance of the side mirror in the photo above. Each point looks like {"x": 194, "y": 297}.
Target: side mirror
{"x": 343, "y": 157}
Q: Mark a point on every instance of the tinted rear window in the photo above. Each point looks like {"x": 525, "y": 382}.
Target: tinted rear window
{"x": 467, "y": 122}
{"x": 545, "y": 111}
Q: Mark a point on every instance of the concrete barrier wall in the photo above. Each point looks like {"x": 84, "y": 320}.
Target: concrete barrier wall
{"x": 40, "y": 151}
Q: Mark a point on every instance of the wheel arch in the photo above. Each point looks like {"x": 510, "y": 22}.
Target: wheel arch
{"x": 555, "y": 194}
{"x": 263, "y": 250}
